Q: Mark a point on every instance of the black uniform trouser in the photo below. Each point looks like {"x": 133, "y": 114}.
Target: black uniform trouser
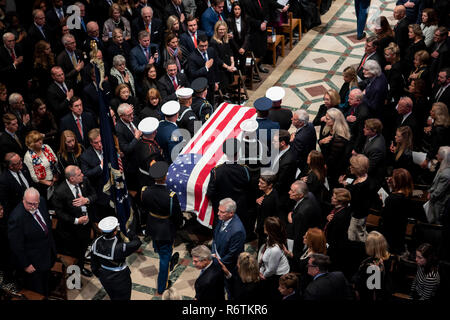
{"x": 116, "y": 284}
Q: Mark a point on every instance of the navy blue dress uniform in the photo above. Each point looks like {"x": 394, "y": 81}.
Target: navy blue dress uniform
{"x": 108, "y": 257}
{"x": 164, "y": 217}
{"x": 265, "y": 125}
{"x": 168, "y": 135}
{"x": 277, "y": 113}
{"x": 186, "y": 119}
{"x": 148, "y": 150}
{"x": 201, "y": 106}
{"x": 229, "y": 180}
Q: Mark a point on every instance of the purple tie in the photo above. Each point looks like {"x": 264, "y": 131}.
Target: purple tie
{"x": 39, "y": 220}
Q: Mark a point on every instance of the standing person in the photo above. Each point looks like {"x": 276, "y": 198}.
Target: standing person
{"x": 239, "y": 29}
{"x": 273, "y": 263}
{"x": 168, "y": 135}
{"x": 108, "y": 259}
{"x": 209, "y": 284}
{"x": 164, "y": 219}
{"x": 73, "y": 200}
{"x": 427, "y": 278}
{"x": 331, "y": 99}
{"x": 277, "y": 113}
{"x": 31, "y": 241}
{"x": 361, "y": 10}
{"x": 189, "y": 39}
{"x": 200, "y": 105}
{"x": 69, "y": 151}
{"x": 268, "y": 205}
{"x": 304, "y": 139}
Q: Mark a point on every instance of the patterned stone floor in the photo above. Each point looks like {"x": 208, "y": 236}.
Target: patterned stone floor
{"x": 314, "y": 65}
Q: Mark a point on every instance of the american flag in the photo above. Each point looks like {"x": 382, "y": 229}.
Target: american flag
{"x": 189, "y": 174}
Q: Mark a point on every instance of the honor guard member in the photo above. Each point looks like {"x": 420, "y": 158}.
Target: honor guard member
{"x": 229, "y": 180}
{"x": 278, "y": 114}
{"x": 148, "y": 150}
{"x": 168, "y": 135}
{"x": 108, "y": 259}
{"x": 251, "y": 154}
{"x": 187, "y": 118}
{"x": 201, "y": 107}
{"x": 164, "y": 217}
{"x": 266, "y": 127}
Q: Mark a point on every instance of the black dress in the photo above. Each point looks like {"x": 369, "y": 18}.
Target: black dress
{"x": 246, "y": 292}
{"x": 362, "y": 197}
{"x": 336, "y": 232}
{"x": 224, "y": 54}
{"x": 239, "y": 40}
{"x": 115, "y": 102}
{"x": 336, "y": 154}
{"x": 268, "y": 208}
{"x": 70, "y": 161}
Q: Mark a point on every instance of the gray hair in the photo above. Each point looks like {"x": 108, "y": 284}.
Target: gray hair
{"x": 79, "y": 4}
{"x": 14, "y": 98}
{"x": 7, "y": 35}
{"x": 31, "y": 192}
{"x": 66, "y": 38}
{"x": 229, "y": 204}
{"x": 146, "y": 8}
{"x": 302, "y": 115}
{"x": 201, "y": 252}
{"x": 300, "y": 187}
{"x": 70, "y": 171}
{"x": 143, "y": 34}
{"x": 36, "y": 11}
{"x": 444, "y": 153}
{"x": 408, "y": 101}
{"x": 90, "y": 24}
{"x": 118, "y": 60}
{"x": 122, "y": 107}
{"x": 358, "y": 94}
{"x": 373, "y": 67}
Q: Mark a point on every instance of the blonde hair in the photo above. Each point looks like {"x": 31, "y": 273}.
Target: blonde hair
{"x": 171, "y": 21}
{"x": 360, "y": 164}
{"x": 351, "y": 72}
{"x": 33, "y": 137}
{"x": 342, "y": 195}
{"x": 441, "y": 114}
{"x": 407, "y": 138}
{"x": 376, "y": 246}
{"x": 216, "y": 37}
{"x": 335, "y": 98}
{"x": 340, "y": 126}
{"x": 248, "y": 268}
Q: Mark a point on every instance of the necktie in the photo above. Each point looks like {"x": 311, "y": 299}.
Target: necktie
{"x": 220, "y": 18}
{"x": 75, "y": 62}
{"x": 133, "y": 130}
{"x": 41, "y": 223}
{"x": 259, "y": 4}
{"x": 78, "y": 191}
{"x": 42, "y": 32}
{"x": 439, "y": 93}
{"x": 178, "y": 10}
{"x": 60, "y": 14}
{"x": 363, "y": 62}
{"x": 80, "y": 129}
{"x": 204, "y": 56}
{"x": 147, "y": 28}
{"x": 175, "y": 85}
{"x": 21, "y": 182}
{"x": 63, "y": 87}
{"x": 222, "y": 228}
{"x": 17, "y": 140}
{"x": 13, "y": 56}
{"x": 147, "y": 54}
{"x": 195, "y": 40}
{"x": 82, "y": 23}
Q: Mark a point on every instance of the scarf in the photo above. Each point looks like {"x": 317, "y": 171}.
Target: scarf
{"x": 116, "y": 73}
{"x": 174, "y": 54}
{"x": 36, "y": 160}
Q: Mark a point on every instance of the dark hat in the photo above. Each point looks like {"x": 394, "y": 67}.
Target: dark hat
{"x": 262, "y": 104}
{"x": 230, "y": 147}
{"x": 199, "y": 84}
{"x": 158, "y": 170}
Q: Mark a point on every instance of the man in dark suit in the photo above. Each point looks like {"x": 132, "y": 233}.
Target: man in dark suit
{"x": 370, "y": 53}
{"x": 229, "y": 235}
{"x": 210, "y": 283}
{"x": 439, "y": 52}
{"x": 441, "y": 90}
{"x": 12, "y": 66}
{"x": 164, "y": 219}
{"x": 358, "y": 113}
{"x": 143, "y": 54}
{"x": 189, "y": 39}
{"x": 90, "y": 94}
{"x": 93, "y": 34}
{"x": 71, "y": 60}
{"x": 81, "y": 33}
{"x": 375, "y": 149}
{"x": 326, "y": 286}
{"x": 10, "y": 139}
{"x": 203, "y": 63}
{"x": 405, "y": 117}
{"x": 171, "y": 81}
{"x": 38, "y": 31}
{"x": 56, "y": 16}
{"x": 305, "y": 214}
{"x": 176, "y": 8}
{"x": 212, "y": 15}
{"x": 59, "y": 93}
{"x": 73, "y": 200}
{"x": 146, "y": 22}
{"x": 128, "y": 136}
{"x": 304, "y": 140}
{"x": 229, "y": 180}
{"x": 13, "y": 182}
{"x": 18, "y": 108}
{"x": 78, "y": 122}
{"x": 31, "y": 241}
{"x": 401, "y": 29}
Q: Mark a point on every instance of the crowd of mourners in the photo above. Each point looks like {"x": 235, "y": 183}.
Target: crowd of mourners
{"x": 384, "y": 135}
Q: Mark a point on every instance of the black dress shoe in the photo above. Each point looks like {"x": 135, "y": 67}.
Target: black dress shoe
{"x": 85, "y": 272}
{"x": 262, "y": 69}
{"x": 174, "y": 260}
{"x": 362, "y": 36}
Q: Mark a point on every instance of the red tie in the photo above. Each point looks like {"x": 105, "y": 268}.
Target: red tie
{"x": 41, "y": 223}
{"x": 174, "y": 83}
{"x": 79, "y": 127}
{"x": 13, "y": 56}
{"x": 195, "y": 40}
{"x": 260, "y": 4}
{"x": 364, "y": 61}
{"x": 220, "y": 18}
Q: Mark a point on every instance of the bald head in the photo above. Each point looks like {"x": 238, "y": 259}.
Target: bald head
{"x": 399, "y": 12}
{"x": 92, "y": 29}
{"x": 147, "y": 14}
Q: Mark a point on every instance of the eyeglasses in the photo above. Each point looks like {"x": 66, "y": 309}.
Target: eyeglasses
{"x": 32, "y": 204}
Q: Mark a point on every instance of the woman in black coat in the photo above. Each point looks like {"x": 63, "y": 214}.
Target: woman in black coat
{"x": 398, "y": 207}
{"x": 123, "y": 95}
{"x": 331, "y": 99}
{"x": 149, "y": 81}
{"x": 416, "y": 44}
{"x": 239, "y": 31}
{"x": 393, "y": 72}
{"x": 401, "y": 151}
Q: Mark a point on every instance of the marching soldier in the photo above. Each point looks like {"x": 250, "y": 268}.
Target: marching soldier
{"x": 148, "y": 150}
{"x": 266, "y": 127}
{"x": 164, "y": 217}
{"x": 108, "y": 259}
{"x": 277, "y": 113}
{"x": 201, "y": 107}
{"x": 167, "y": 135}
{"x": 187, "y": 118}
